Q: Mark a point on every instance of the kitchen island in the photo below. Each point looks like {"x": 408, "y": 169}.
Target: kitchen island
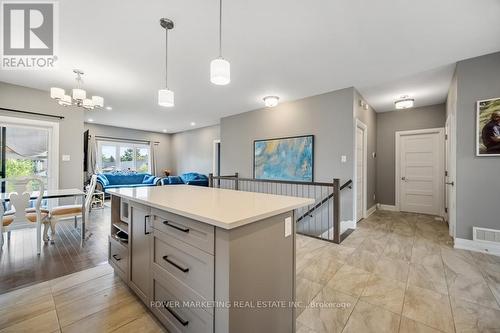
{"x": 206, "y": 259}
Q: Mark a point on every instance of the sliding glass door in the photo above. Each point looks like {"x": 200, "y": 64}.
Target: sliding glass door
{"x": 28, "y": 149}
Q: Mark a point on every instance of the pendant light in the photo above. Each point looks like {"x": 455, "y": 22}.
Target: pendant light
{"x": 165, "y": 96}
{"x": 220, "y": 69}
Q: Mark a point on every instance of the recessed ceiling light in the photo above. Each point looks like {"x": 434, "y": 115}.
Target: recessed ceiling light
{"x": 91, "y": 120}
{"x": 109, "y": 108}
{"x": 404, "y": 102}
{"x": 271, "y": 101}
{"x": 192, "y": 123}
{"x": 164, "y": 131}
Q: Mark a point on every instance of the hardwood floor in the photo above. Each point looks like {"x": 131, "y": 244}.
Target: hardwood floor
{"x": 93, "y": 300}
{"x": 20, "y": 265}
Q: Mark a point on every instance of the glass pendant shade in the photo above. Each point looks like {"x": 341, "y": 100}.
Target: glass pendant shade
{"x": 57, "y": 93}
{"x": 87, "y": 103}
{"x": 98, "y": 101}
{"x": 166, "y": 98}
{"x": 220, "y": 72}
{"x": 79, "y": 94}
{"x": 65, "y": 100}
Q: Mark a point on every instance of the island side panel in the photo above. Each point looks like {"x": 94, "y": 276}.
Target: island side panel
{"x": 255, "y": 262}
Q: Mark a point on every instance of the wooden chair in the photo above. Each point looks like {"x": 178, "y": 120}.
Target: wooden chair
{"x": 20, "y": 215}
{"x": 59, "y": 213}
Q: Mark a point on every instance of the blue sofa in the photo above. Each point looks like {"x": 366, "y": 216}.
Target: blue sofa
{"x": 191, "y": 178}
{"x": 124, "y": 179}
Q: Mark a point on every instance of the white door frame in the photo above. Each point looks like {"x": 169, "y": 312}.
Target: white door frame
{"x": 450, "y": 165}
{"x": 53, "y": 129}
{"x": 364, "y": 128}
{"x": 399, "y": 134}
{"x": 214, "y": 157}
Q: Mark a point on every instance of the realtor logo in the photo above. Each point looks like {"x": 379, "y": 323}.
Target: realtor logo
{"x": 30, "y": 34}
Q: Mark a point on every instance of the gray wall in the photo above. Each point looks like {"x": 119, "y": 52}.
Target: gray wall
{"x": 329, "y": 117}
{"x": 477, "y": 180}
{"x": 388, "y": 123}
{"x": 369, "y": 118}
{"x": 163, "y": 158}
{"x": 193, "y": 150}
{"x": 70, "y": 128}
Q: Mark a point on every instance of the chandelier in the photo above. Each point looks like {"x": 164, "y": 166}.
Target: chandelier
{"x": 78, "y": 97}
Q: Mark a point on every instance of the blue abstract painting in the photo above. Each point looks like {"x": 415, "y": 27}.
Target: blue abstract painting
{"x": 284, "y": 159}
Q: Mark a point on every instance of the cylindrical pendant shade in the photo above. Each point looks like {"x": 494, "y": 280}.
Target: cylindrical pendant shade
{"x": 98, "y": 101}
{"x": 220, "y": 72}
{"x": 79, "y": 94}
{"x": 57, "y": 93}
{"x": 165, "y": 98}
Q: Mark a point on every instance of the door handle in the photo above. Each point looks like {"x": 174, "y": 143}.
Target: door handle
{"x": 450, "y": 183}
{"x": 145, "y": 224}
{"x": 404, "y": 179}
{"x": 117, "y": 258}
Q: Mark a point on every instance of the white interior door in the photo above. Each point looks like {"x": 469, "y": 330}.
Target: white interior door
{"x": 360, "y": 170}
{"x": 421, "y": 171}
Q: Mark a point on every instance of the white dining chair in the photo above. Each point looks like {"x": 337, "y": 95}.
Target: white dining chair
{"x": 63, "y": 212}
{"x": 19, "y": 214}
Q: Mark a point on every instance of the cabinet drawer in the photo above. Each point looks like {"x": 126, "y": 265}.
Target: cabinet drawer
{"x": 195, "y": 233}
{"x": 169, "y": 306}
{"x": 189, "y": 265}
{"x": 118, "y": 256}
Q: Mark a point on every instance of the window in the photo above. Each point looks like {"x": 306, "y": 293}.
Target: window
{"x": 123, "y": 156}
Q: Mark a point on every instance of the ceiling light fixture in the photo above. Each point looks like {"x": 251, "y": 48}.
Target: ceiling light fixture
{"x": 220, "y": 68}
{"x": 271, "y": 101}
{"x": 109, "y": 108}
{"x": 165, "y": 96}
{"x": 91, "y": 120}
{"x": 404, "y": 102}
{"x": 164, "y": 131}
{"x": 79, "y": 96}
{"x": 192, "y": 123}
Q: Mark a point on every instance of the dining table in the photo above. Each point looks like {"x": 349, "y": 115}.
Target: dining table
{"x": 57, "y": 194}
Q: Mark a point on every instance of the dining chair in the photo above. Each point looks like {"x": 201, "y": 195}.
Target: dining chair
{"x": 59, "y": 213}
{"x": 20, "y": 215}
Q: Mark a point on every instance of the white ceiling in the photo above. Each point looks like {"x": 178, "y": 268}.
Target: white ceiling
{"x": 426, "y": 88}
{"x": 289, "y": 48}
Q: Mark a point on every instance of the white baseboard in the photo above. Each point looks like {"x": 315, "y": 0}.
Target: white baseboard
{"x": 344, "y": 225}
{"x": 371, "y": 210}
{"x": 477, "y": 246}
{"x": 391, "y": 208}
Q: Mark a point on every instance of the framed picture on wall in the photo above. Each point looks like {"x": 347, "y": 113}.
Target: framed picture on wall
{"x": 288, "y": 158}
{"x": 488, "y": 127}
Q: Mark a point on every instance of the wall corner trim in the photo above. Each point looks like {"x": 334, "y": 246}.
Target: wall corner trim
{"x": 391, "y": 208}
{"x": 477, "y": 246}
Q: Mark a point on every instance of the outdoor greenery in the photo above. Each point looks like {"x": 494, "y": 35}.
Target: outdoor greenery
{"x": 19, "y": 168}
{"x": 486, "y": 109}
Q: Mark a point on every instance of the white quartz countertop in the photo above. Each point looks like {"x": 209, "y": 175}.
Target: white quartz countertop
{"x": 222, "y": 208}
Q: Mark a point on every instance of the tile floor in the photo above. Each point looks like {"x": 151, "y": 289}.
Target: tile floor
{"x": 396, "y": 273}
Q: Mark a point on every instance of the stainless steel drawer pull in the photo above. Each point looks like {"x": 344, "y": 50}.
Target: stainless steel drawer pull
{"x": 176, "y": 316}
{"x": 184, "y": 269}
{"x": 168, "y": 224}
{"x": 117, "y": 257}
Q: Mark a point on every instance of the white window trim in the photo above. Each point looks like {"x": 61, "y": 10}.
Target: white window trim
{"x": 118, "y": 144}
{"x": 53, "y": 143}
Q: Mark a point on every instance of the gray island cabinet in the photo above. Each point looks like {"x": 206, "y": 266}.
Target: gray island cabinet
{"x": 205, "y": 259}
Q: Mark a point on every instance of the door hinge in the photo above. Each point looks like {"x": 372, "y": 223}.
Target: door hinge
{"x": 446, "y": 136}
{"x": 446, "y": 210}
{"x": 446, "y": 173}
